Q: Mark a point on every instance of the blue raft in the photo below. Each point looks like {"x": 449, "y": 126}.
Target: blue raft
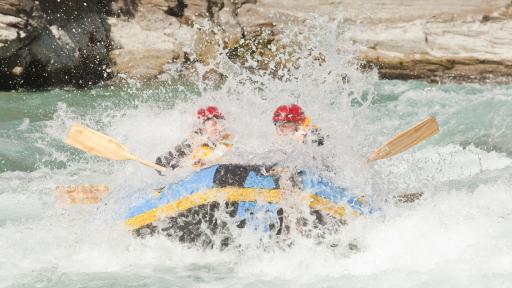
{"x": 188, "y": 208}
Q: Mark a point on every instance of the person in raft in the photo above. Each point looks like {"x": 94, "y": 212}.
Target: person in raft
{"x": 291, "y": 121}
{"x": 205, "y": 145}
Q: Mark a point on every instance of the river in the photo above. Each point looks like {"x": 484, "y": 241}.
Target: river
{"x": 457, "y": 235}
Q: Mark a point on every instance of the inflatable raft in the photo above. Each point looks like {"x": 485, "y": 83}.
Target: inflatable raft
{"x": 207, "y": 201}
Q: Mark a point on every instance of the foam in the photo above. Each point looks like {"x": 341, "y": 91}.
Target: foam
{"x": 458, "y": 234}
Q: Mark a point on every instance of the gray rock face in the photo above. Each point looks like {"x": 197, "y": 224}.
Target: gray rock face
{"x": 48, "y": 43}
{"x": 154, "y": 33}
{"x": 436, "y": 40}
{"x": 53, "y": 42}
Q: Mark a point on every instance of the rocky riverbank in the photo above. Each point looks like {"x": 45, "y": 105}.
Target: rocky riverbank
{"x": 82, "y": 42}
{"x": 51, "y": 43}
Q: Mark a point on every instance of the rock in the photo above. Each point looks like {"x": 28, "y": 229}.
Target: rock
{"x": 133, "y": 35}
{"x": 147, "y": 42}
{"x": 206, "y": 46}
{"x": 54, "y": 43}
{"x": 251, "y": 17}
{"x": 463, "y": 41}
{"x": 17, "y": 70}
{"x": 439, "y": 51}
{"x": 213, "y": 77}
{"x": 9, "y": 26}
{"x": 229, "y": 24}
{"x": 506, "y": 12}
{"x": 142, "y": 64}
{"x": 192, "y": 31}
{"x": 176, "y": 8}
{"x": 16, "y": 7}
{"x": 439, "y": 69}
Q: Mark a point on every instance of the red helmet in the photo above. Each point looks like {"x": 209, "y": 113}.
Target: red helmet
{"x": 209, "y": 112}
{"x": 289, "y": 113}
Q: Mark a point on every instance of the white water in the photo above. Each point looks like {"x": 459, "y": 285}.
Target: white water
{"x": 458, "y": 235}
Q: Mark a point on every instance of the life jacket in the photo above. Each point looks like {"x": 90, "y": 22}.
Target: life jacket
{"x": 210, "y": 152}
{"x": 312, "y": 133}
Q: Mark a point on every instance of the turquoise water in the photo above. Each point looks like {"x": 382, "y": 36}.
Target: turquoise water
{"x": 470, "y": 115}
{"x": 458, "y": 235}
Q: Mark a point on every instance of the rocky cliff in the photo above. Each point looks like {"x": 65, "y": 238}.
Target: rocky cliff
{"x": 52, "y": 42}
{"x": 81, "y": 42}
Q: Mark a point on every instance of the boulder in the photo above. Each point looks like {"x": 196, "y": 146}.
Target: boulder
{"x": 142, "y": 64}
{"x": 73, "y": 42}
{"x": 53, "y": 43}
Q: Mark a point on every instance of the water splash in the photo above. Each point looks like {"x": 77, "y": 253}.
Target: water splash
{"x": 457, "y": 235}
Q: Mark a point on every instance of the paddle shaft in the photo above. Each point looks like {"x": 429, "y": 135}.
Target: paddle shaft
{"x": 149, "y": 164}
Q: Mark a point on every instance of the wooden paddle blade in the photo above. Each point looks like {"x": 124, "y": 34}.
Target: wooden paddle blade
{"x": 81, "y": 194}
{"x": 94, "y": 142}
{"x": 406, "y": 139}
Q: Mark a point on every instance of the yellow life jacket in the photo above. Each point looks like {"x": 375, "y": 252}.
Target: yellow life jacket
{"x": 201, "y": 152}
{"x": 205, "y": 153}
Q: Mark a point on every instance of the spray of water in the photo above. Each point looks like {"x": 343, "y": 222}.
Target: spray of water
{"x": 456, "y": 235}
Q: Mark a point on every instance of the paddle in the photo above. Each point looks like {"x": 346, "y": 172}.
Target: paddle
{"x": 81, "y": 194}
{"x": 406, "y": 139}
{"x": 96, "y": 143}
{"x": 104, "y": 146}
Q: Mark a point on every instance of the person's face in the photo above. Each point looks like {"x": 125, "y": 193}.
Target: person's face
{"x": 213, "y": 128}
{"x": 286, "y": 128}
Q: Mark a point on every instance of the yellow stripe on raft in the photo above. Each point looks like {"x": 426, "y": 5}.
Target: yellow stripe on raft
{"x": 324, "y": 205}
{"x": 229, "y": 194}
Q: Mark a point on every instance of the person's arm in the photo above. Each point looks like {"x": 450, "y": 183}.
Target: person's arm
{"x": 172, "y": 159}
